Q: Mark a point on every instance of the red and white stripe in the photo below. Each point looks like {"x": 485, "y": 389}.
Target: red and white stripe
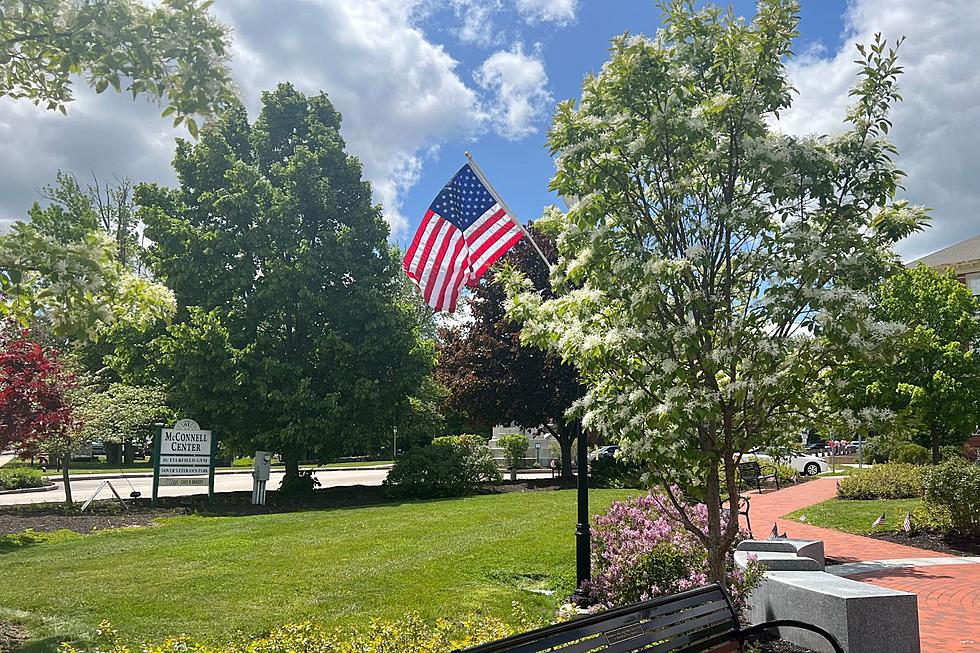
{"x": 442, "y": 258}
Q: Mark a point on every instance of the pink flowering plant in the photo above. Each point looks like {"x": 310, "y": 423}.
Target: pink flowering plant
{"x": 640, "y": 550}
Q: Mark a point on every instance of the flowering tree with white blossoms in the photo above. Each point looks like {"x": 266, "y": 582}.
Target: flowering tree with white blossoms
{"x": 712, "y": 269}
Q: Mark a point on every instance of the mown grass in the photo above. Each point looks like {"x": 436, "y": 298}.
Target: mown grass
{"x": 857, "y": 516}
{"x": 213, "y": 577}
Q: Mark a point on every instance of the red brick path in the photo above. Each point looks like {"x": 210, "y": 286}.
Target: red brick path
{"x": 949, "y": 595}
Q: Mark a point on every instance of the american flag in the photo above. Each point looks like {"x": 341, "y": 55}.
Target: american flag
{"x": 879, "y": 521}
{"x": 774, "y": 533}
{"x": 463, "y": 233}
{"x": 908, "y": 522}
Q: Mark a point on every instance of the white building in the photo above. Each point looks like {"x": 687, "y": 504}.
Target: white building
{"x": 541, "y": 446}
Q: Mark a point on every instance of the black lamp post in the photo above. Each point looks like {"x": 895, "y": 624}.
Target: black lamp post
{"x": 583, "y": 542}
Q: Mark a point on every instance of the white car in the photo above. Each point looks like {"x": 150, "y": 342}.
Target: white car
{"x": 803, "y": 463}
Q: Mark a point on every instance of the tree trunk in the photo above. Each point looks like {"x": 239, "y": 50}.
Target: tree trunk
{"x": 717, "y": 553}
{"x": 112, "y": 453}
{"x": 565, "y": 444}
{"x": 934, "y": 432}
{"x": 292, "y": 466}
{"x": 129, "y": 453}
{"x": 66, "y": 481}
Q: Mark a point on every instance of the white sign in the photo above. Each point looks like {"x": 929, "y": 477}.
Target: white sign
{"x": 180, "y": 442}
{"x": 183, "y": 481}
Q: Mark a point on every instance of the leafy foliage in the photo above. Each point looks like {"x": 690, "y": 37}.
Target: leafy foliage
{"x": 35, "y": 408}
{"x": 75, "y": 288}
{"x": 515, "y": 449}
{"x": 616, "y": 472}
{"x": 911, "y": 454}
{"x": 122, "y": 413}
{"x": 712, "y": 269}
{"x": 491, "y": 377}
{"x": 293, "y": 335}
{"x": 299, "y": 485}
{"x": 955, "y": 486}
{"x": 411, "y": 634}
{"x": 886, "y": 481}
{"x": 21, "y": 477}
{"x": 640, "y": 551}
{"x": 173, "y": 51}
{"x": 931, "y": 378}
{"x": 450, "y": 466}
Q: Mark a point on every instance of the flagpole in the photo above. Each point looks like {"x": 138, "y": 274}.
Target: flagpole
{"x": 493, "y": 191}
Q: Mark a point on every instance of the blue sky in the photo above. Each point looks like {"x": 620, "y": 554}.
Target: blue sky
{"x": 419, "y": 81}
{"x": 521, "y": 169}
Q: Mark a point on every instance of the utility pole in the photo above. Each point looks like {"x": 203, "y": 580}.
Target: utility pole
{"x": 394, "y": 442}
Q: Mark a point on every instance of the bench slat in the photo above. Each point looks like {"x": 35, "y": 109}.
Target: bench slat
{"x": 654, "y": 617}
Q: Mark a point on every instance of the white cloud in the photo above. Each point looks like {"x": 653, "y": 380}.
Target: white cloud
{"x": 477, "y": 25}
{"x": 398, "y": 92}
{"x": 936, "y": 124}
{"x": 520, "y": 83}
{"x": 561, "y": 12}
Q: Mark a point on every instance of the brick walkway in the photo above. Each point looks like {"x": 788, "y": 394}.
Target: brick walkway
{"x": 949, "y": 596}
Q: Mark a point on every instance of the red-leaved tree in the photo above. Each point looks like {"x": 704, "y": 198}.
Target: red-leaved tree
{"x": 35, "y": 411}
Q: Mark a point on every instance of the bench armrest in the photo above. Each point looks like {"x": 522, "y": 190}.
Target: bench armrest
{"x": 791, "y": 623}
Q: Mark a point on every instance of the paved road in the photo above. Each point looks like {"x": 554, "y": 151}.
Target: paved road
{"x": 83, "y": 488}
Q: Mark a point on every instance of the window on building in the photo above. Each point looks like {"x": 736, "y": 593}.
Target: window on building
{"x": 973, "y": 283}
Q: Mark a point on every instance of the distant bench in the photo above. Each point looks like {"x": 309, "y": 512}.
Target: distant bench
{"x": 703, "y": 619}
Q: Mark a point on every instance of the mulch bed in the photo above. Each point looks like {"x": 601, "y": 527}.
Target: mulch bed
{"x": 769, "y": 643}
{"x": 932, "y": 541}
{"x": 11, "y": 636}
{"x": 105, "y": 514}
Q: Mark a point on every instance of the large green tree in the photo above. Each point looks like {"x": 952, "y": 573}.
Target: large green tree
{"x": 492, "y": 378}
{"x": 932, "y": 376}
{"x": 173, "y": 51}
{"x": 293, "y": 332}
{"x": 713, "y": 268}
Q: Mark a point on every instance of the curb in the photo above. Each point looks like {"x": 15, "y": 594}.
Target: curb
{"x": 26, "y": 490}
{"x": 220, "y": 472}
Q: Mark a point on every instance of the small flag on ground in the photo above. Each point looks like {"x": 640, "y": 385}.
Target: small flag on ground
{"x": 462, "y": 234}
{"x": 907, "y": 526}
{"x": 838, "y": 485}
{"x": 803, "y": 518}
{"x": 879, "y": 521}
{"x": 774, "y": 533}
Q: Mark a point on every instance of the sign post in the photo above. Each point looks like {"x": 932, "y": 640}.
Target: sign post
{"x": 183, "y": 455}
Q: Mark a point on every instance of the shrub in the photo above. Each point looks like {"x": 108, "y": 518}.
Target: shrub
{"x": 887, "y": 481}
{"x": 243, "y": 462}
{"x": 515, "y": 448}
{"x": 912, "y": 454}
{"x": 616, "y": 472}
{"x": 478, "y": 461}
{"x": 955, "y": 487}
{"x": 19, "y": 478}
{"x": 298, "y": 486}
{"x": 952, "y": 452}
{"x": 640, "y": 550}
{"x": 412, "y": 634}
{"x": 877, "y": 450}
{"x": 450, "y": 466}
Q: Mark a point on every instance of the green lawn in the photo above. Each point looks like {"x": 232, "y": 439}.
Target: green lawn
{"x": 211, "y": 577}
{"x": 855, "y": 516}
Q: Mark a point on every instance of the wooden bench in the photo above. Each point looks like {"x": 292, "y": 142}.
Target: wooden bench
{"x": 703, "y": 619}
{"x": 752, "y": 475}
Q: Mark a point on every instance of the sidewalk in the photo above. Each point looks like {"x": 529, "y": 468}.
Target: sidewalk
{"x": 949, "y": 594}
